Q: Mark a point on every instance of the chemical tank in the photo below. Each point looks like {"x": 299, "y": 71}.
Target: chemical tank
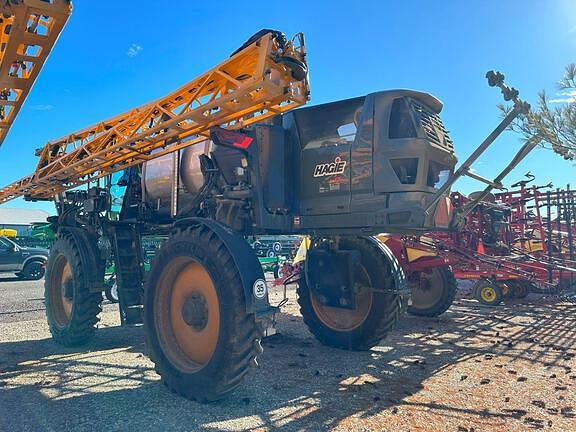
{"x": 158, "y": 180}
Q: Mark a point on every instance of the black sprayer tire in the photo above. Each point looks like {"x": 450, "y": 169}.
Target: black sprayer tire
{"x": 198, "y": 332}
{"x": 376, "y": 313}
{"x": 433, "y": 293}
{"x": 71, "y": 309}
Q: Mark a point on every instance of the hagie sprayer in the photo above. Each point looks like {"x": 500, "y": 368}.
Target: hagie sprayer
{"x": 230, "y": 155}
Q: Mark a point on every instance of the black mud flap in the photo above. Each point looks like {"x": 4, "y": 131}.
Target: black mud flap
{"x": 245, "y": 259}
{"x": 330, "y": 274}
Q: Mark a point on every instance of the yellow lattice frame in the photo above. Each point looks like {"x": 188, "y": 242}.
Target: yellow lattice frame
{"x": 28, "y": 31}
{"x": 250, "y": 86}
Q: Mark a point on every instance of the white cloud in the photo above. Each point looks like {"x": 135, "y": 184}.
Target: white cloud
{"x": 567, "y": 96}
{"x": 42, "y": 107}
{"x": 134, "y": 50}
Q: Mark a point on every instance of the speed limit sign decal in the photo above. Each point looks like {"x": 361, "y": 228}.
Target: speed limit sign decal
{"x": 259, "y": 288}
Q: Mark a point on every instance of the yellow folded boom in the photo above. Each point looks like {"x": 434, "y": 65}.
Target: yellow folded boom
{"x": 261, "y": 80}
{"x": 28, "y": 31}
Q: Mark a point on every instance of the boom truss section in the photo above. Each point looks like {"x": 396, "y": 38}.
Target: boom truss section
{"x": 28, "y": 31}
{"x": 263, "y": 79}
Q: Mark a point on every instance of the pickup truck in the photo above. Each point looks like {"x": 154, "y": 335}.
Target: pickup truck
{"x": 27, "y": 263}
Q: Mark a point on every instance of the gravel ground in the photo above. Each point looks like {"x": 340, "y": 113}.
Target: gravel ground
{"x": 510, "y": 368}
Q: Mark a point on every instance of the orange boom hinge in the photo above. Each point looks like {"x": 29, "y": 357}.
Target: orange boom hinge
{"x": 28, "y": 31}
{"x": 267, "y": 76}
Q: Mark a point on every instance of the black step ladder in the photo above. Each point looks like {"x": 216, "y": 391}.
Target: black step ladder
{"x": 129, "y": 268}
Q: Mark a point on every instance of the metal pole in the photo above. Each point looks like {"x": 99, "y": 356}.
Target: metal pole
{"x": 569, "y": 217}
{"x": 467, "y": 164}
{"x": 522, "y": 153}
{"x": 549, "y": 233}
{"x": 559, "y": 227}
{"x": 539, "y": 221}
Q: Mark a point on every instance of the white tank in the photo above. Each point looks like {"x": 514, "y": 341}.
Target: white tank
{"x": 158, "y": 179}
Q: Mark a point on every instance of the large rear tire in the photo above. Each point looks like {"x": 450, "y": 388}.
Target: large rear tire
{"x": 433, "y": 292}
{"x": 376, "y": 312}
{"x": 198, "y": 332}
{"x": 71, "y": 309}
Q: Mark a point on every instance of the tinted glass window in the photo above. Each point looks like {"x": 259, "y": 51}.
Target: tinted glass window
{"x": 347, "y": 131}
{"x": 329, "y": 125}
{"x": 4, "y": 245}
{"x": 401, "y": 124}
{"x": 406, "y": 169}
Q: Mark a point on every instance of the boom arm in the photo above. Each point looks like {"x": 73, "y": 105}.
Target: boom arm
{"x": 28, "y": 31}
{"x": 264, "y": 78}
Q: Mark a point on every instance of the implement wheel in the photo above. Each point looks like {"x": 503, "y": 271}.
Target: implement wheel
{"x": 433, "y": 292}
{"x": 198, "y": 332}
{"x": 520, "y": 288}
{"x": 376, "y": 312}
{"x": 71, "y": 309}
{"x": 488, "y": 293}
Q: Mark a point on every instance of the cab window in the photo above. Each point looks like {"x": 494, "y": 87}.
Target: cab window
{"x": 329, "y": 125}
{"x": 438, "y": 174}
{"x": 401, "y": 124}
{"x": 4, "y": 245}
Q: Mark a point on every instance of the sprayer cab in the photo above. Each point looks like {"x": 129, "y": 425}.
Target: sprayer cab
{"x": 371, "y": 161}
{"x": 362, "y": 165}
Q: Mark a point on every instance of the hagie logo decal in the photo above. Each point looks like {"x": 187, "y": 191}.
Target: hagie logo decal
{"x": 331, "y": 168}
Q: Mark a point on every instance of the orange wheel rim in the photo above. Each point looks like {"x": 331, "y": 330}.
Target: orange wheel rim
{"x": 62, "y": 290}
{"x": 340, "y": 319}
{"x": 187, "y": 314}
{"x": 427, "y": 290}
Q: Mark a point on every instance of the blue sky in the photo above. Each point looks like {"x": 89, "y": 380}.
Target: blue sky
{"x": 116, "y": 55}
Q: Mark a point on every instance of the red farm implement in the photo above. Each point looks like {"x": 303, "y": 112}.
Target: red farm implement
{"x": 511, "y": 242}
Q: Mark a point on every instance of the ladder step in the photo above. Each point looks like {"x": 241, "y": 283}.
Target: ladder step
{"x": 133, "y": 315}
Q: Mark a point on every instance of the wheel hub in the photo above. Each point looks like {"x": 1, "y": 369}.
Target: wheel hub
{"x": 61, "y": 290}
{"x": 488, "y": 294}
{"x": 68, "y": 290}
{"x": 424, "y": 284}
{"x": 187, "y": 314}
{"x": 427, "y": 289}
{"x": 195, "y": 311}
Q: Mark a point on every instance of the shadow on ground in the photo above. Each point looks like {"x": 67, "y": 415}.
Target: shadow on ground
{"x": 301, "y": 385}
{"x": 13, "y": 279}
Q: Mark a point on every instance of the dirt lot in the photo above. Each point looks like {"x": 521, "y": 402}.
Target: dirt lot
{"x": 510, "y": 368}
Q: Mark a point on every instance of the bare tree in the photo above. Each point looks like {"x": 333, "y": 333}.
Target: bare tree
{"x": 555, "y": 124}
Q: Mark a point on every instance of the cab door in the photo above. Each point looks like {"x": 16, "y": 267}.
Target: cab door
{"x": 326, "y": 136}
{"x": 10, "y": 257}
{"x": 326, "y": 180}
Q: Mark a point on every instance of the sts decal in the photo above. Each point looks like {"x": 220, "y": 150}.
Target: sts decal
{"x": 330, "y": 168}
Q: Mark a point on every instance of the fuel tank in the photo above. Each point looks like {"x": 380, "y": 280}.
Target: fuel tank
{"x": 158, "y": 178}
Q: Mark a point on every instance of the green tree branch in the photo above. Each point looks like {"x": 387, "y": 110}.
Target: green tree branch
{"x": 555, "y": 124}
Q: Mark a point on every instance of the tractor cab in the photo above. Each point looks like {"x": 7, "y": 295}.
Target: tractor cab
{"x": 372, "y": 162}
